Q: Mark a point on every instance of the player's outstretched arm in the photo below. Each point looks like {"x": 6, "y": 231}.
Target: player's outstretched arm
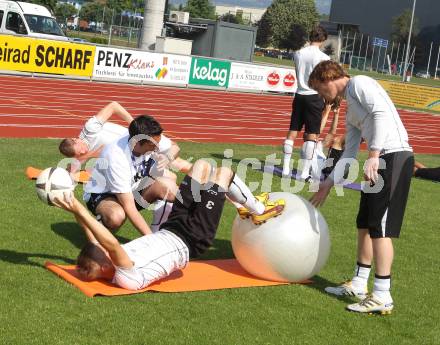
{"x": 128, "y": 204}
{"x": 114, "y": 108}
{"x": 334, "y": 125}
{"x": 325, "y": 114}
{"x": 104, "y": 237}
{"x": 182, "y": 165}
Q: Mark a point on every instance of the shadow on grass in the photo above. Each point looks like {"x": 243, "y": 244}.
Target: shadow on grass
{"x": 320, "y": 283}
{"x": 220, "y": 249}
{"x": 18, "y": 258}
{"x": 73, "y": 232}
{"x": 243, "y": 160}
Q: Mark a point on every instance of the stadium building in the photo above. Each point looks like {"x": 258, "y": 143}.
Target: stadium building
{"x": 375, "y": 16}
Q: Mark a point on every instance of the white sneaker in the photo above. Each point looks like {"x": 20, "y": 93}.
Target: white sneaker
{"x": 372, "y": 305}
{"x": 346, "y": 289}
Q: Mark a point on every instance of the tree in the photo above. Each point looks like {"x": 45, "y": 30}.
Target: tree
{"x": 295, "y": 38}
{"x": 200, "y": 9}
{"x": 400, "y": 27}
{"x": 91, "y": 12}
{"x": 281, "y": 16}
{"x": 231, "y": 18}
{"x": 50, "y": 4}
{"x": 64, "y": 11}
{"x": 264, "y": 32}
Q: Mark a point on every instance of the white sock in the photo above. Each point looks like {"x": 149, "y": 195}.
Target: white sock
{"x": 360, "y": 278}
{"x": 381, "y": 288}
{"x": 307, "y": 153}
{"x": 305, "y": 172}
{"x": 239, "y": 193}
{"x": 318, "y": 162}
{"x": 287, "y": 149}
{"x": 161, "y": 212}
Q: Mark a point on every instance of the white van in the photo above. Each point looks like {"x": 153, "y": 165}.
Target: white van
{"x": 33, "y": 20}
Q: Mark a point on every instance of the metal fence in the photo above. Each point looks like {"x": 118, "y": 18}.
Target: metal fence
{"x": 367, "y": 53}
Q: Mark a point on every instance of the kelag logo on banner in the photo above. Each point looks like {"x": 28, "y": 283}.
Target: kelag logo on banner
{"x": 209, "y": 72}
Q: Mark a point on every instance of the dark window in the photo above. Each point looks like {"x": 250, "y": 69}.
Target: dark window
{"x": 1, "y": 18}
{"x": 15, "y": 23}
{"x": 43, "y": 25}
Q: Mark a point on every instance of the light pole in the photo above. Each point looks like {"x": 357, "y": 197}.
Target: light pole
{"x": 409, "y": 39}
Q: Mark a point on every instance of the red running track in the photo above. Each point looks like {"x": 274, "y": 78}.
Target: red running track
{"x": 58, "y": 108}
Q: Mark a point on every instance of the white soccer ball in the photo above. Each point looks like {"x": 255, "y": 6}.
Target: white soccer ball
{"x": 289, "y": 248}
{"x": 53, "y": 182}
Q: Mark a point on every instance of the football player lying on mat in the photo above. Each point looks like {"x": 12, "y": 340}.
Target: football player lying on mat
{"x": 99, "y": 132}
{"x": 425, "y": 173}
{"x": 188, "y": 232}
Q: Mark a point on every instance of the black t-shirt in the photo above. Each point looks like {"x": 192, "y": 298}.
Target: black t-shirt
{"x": 196, "y": 215}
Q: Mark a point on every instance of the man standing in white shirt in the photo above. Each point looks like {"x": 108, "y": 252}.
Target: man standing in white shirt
{"x": 96, "y": 133}
{"x": 130, "y": 174}
{"x": 370, "y": 115}
{"x": 307, "y": 105}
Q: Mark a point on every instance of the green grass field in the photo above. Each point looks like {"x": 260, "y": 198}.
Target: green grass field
{"x": 39, "y": 308}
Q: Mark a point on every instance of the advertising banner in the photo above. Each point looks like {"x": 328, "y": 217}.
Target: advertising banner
{"x": 209, "y": 72}
{"x": 415, "y": 96}
{"x": 113, "y": 63}
{"x": 46, "y": 56}
{"x": 262, "y": 78}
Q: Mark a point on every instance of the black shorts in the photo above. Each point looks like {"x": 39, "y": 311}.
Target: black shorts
{"x": 333, "y": 157}
{"x": 382, "y": 212}
{"x": 97, "y": 198}
{"x": 307, "y": 112}
{"x": 196, "y": 214}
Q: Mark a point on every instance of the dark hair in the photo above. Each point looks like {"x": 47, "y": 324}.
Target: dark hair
{"x": 324, "y": 72}
{"x": 318, "y": 34}
{"x": 67, "y": 147}
{"x": 146, "y": 125}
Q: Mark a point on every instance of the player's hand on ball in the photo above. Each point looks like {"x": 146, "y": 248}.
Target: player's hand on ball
{"x": 371, "y": 168}
{"x": 65, "y": 201}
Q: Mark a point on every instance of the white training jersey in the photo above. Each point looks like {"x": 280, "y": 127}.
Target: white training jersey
{"x": 154, "y": 257}
{"x": 117, "y": 170}
{"x": 372, "y": 115}
{"x": 96, "y": 134}
{"x": 305, "y": 61}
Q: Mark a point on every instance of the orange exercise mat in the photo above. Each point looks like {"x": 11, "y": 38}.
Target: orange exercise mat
{"x": 81, "y": 176}
{"x": 196, "y": 276}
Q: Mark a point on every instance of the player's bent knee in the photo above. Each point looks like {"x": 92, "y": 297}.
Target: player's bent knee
{"x": 166, "y": 189}
{"x": 170, "y": 175}
{"x": 114, "y": 220}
